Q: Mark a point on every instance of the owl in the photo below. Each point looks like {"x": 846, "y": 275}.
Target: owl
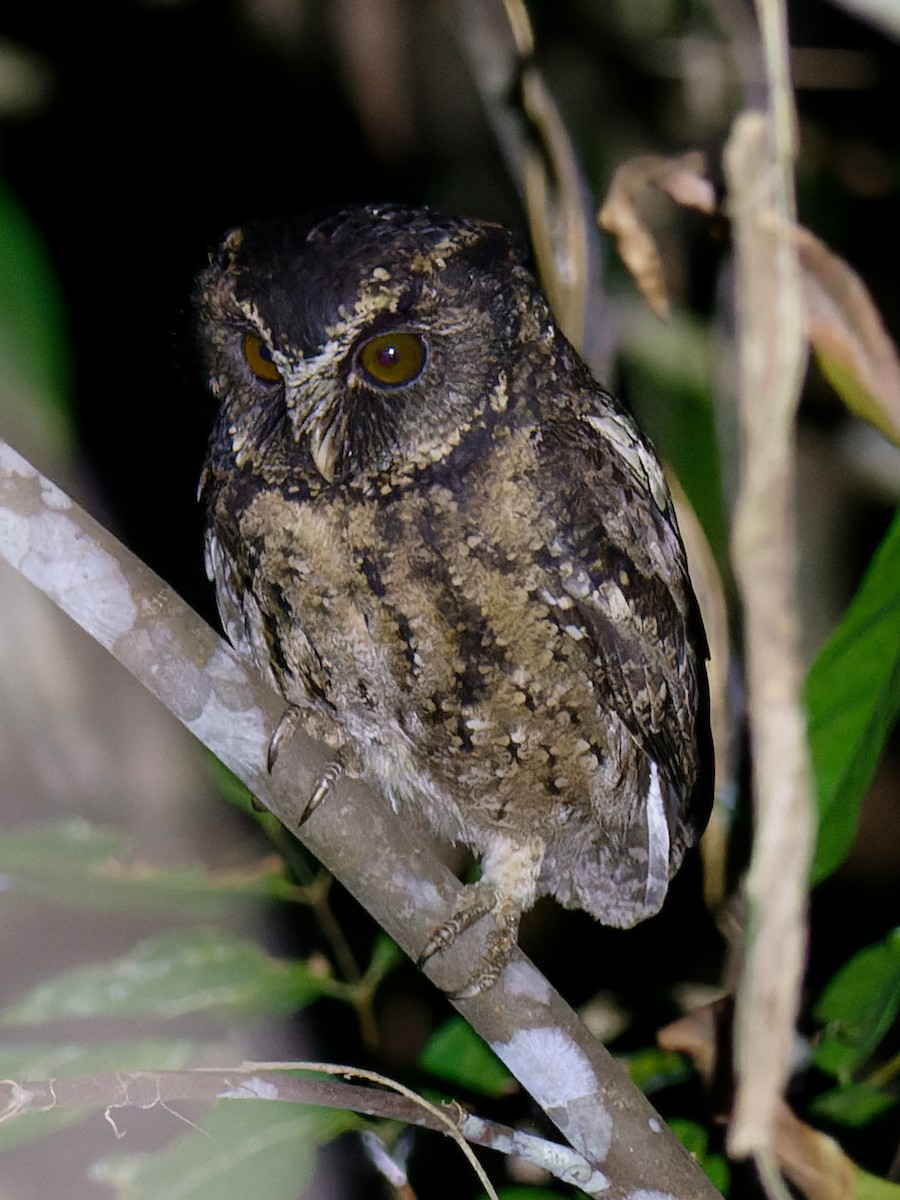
{"x": 456, "y": 556}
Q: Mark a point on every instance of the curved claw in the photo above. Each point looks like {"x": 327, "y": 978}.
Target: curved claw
{"x": 332, "y": 774}
{"x": 288, "y": 724}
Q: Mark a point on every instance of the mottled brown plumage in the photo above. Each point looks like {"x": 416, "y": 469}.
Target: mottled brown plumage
{"x": 444, "y": 543}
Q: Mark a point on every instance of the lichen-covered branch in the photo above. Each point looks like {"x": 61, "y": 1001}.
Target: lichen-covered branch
{"x": 388, "y": 866}
{"x": 113, "y": 1090}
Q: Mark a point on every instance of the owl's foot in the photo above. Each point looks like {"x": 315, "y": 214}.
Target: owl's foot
{"x": 324, "y": 729}
{"x": 478, "y": 900}
{"x": 319, "y": 725}
{"x": 506, "y": 889}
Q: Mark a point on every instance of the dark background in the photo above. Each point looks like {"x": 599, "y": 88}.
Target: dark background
{"x": 153, "y": 127}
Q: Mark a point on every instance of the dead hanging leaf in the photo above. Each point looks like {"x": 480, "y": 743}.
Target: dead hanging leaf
{"x": 559, "y": 210}
{"x": 683, "y": 180}
{"x": 371, "y": 39}
{"x": 697, "y": 1035}
{"x": 558, "y": 205}
{"x": 844, "y": 327}
{"x": 848, "y": 337}
{"x": 813, "y": 1162}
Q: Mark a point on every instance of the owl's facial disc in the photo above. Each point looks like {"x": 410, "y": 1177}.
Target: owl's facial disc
{"x": 371, "y": 338}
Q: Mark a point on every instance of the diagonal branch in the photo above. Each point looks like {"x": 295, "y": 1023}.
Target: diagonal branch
{"x": 385, "y": 864}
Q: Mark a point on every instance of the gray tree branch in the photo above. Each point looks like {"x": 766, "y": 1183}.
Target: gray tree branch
{"x": 150, "y": 1089}
{"x": 387, "y": 865}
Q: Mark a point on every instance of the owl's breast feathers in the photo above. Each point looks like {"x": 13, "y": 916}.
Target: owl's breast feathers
{"x": 509, "y": 635}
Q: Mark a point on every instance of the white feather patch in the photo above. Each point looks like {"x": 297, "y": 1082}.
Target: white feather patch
{"x": 657, "y": 844}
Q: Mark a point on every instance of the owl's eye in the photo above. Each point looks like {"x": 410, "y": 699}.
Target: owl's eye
{"x": 392, "y": 359}
{"x": 259, "y": 358}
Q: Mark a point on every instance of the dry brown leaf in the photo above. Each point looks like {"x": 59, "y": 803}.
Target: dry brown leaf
{"x": 843, "y": 325}
{"x": 851, "y": 344}
{"x": 558, "y": 210}
{"x": 680, "y": 178}
{"x": 813, "y": 1162}
{"x": 696, "y": 1035}
{"x": 560, "y": 215}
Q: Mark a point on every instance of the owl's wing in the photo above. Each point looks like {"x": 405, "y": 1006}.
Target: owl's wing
{"x": 618, "y": 559}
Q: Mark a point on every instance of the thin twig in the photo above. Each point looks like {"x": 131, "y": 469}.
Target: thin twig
{"x": 271, "y": 1082}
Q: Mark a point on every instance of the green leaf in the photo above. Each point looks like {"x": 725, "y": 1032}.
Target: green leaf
{"x": 31, "y": 1062}
{"x": 386, "y": 955}
{"x": 230, "y": 787}
{"x": 695, "y": 1139}
{"x": 652, "y": 1069}
{"x": 456, "y": 1054}
{"x": 74, "y": 864}
{"x": 34, "y": 340}
{"x": 859, "y": 1006}
{"x": 870, "y": 1187}
{"x": 187, "y": 971}
{"x": 248, "y": 1148}
{"x": 853, "y": 1106}
{"x": 853, "y": 701}
{"x": 523, "y": 1193}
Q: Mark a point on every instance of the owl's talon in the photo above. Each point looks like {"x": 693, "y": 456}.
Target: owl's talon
{"x": 287, "y": 725}
{"x": 331, "y": 775}
{"x": 497, "y": 953}
{"x": 442, "y": 937}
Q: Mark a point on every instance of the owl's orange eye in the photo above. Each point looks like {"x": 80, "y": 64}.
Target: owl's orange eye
{"x": 259, "y": 358}
{"x": 392, "y": 359}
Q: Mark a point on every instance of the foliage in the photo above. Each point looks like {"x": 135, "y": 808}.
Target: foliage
{"x": 245, "y": 1142}
{"x": 853, "y": 702}
{"x": 858, "y": 1011}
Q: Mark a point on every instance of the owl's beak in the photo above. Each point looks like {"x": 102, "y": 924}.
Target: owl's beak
{"x": 323, "y": 448}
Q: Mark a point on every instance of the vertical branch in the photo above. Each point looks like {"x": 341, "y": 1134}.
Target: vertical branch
{"x": 772, "y": 353}
{"x": 772, "y": 17}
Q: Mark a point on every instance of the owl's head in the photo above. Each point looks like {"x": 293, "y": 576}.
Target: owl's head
{"x": 363, "y": 344}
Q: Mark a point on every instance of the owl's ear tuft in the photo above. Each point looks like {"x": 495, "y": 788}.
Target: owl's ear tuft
{"x": 495, "y": 247}
{"x": 498, "y": 243}
{"x": 223, "y": 254}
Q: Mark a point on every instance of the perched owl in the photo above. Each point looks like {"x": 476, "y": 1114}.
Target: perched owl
{"x": 436, "y": 535}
